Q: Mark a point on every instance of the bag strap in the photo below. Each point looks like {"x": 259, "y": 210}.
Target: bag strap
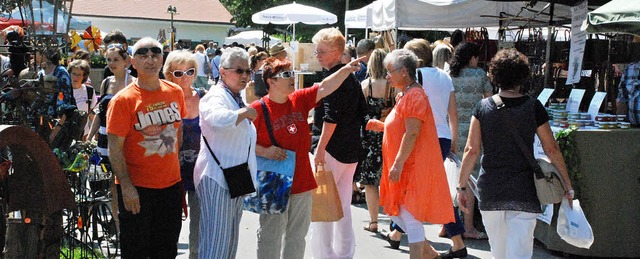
{"x": 267, "y": 119}
{"x": 514, "y": 132}
{"x": 214, "y": 155}
{"x": 370, "y": 88}
{"x": 89, "y": 95}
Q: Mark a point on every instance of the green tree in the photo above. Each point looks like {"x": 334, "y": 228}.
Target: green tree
{"x": 242, "y": 10}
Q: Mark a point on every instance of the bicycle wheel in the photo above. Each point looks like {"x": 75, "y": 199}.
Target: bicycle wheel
{"x": 103, "y": 229}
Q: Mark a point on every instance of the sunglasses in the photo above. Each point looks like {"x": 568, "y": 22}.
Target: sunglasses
{"x": 180, "y": 73}
{"x": 143, "y": 51}
{"x": 285, "y": 74}
{"x": 115, "y": 45}
{"x": 241, "y": 71}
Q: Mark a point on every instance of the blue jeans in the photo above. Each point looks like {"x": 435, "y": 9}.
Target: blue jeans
{"x": 453, "y": 228}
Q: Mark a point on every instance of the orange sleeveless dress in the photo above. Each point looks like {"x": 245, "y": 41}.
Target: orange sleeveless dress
{"x": 423, "y": 189}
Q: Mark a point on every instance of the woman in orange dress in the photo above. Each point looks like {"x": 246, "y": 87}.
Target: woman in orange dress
{"x": 413, "y": 188}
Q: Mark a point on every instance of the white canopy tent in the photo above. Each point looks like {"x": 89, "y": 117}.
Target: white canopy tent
{"x": 248, "y": 37}
{"x": 442, "y": 14}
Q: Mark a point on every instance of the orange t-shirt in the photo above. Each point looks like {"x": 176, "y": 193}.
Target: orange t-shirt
{"x": 423, "y": 189}
{"x": 149, "y": 121}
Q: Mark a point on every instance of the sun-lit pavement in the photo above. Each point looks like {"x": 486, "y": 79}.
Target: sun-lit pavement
{"x": 368, "y": 245}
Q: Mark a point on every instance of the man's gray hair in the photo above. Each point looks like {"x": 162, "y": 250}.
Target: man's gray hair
{"x": 364, "y": 46}
{"x": 400, "y": 58}
{"x": 232, "y": 55}
{"x": 145, "y": 42}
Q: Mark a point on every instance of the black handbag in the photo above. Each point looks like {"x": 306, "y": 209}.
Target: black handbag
{"x": 549, "y": 185}
{"x": 238, "y": 177}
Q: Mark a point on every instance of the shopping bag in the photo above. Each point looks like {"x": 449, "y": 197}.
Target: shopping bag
{"x": 452, "y": 167}
{"x": 573, "y": 226}
{"x": 275, "y": 178}
{"x": 326, "y": 205}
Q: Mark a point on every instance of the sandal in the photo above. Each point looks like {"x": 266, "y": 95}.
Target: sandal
{"x": 395, "y": 244}
{"x": 372, "y": 229}
{"x": 475, "y": 235}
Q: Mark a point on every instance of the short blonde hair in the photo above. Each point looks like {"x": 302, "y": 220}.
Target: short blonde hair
{"x": 331, "y": 36}
{"x": 200, "y": 47}
{"x": 178, "y": 57}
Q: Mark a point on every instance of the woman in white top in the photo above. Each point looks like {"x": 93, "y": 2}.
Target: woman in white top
{"x": 86, "y": 98}
{"x": 227, "y": 128}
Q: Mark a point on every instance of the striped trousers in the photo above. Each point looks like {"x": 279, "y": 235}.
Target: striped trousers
{"x": 219, "y": 221}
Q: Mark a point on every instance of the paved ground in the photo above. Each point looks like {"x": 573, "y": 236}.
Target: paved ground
{"x": 368, "y": 245}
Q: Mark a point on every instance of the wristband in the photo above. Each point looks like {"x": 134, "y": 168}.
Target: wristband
{"x": 461, "y": 188}
{"x": 571, "y": 192}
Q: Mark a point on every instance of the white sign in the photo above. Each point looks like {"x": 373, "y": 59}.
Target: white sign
{"x": 544, "y": 95}
{"x": 596, "y": 102}
{"x": 573, "y": 104}
{"x": 578, "y": 41}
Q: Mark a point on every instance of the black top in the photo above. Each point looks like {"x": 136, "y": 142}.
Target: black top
{"x": 506, "y": 178}
{"x": 345, "y": 107}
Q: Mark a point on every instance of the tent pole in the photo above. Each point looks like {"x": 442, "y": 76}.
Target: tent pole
{"x": 547, "y": 59}
{"x": 346, "y": 30}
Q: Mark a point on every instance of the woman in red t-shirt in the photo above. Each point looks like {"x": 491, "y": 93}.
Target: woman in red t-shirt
{"x": 288, "y": 110}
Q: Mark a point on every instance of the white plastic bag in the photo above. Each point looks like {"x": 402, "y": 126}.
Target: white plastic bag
{"x": 573, "y": 226}
{"x": 453, "y": 174}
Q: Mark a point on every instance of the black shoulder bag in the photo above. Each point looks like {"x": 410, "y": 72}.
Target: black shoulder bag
{"x": 238, "y": 177}
{"x": 549, "y": 185}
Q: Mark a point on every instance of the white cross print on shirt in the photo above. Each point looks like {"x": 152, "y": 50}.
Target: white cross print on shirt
{"x": 292, "y": 129}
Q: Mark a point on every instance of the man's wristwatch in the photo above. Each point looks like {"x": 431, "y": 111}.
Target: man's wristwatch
{"x": 461, "y": 189}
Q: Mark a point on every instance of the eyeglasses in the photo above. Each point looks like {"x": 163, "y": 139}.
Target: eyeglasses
{"x": 390, "y": 71}
{"x": 285, "y": 74}
{"x": 180, "y": 73}
{"x": 241, "y": 71}
{"x": 143, "y": 51}
{"x": 115, "y": 45}
{"x": 322, "y": 53}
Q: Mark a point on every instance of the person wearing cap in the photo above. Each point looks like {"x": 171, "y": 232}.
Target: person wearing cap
{"x": 277, "y": 51}
{"x": 144, "y": 127}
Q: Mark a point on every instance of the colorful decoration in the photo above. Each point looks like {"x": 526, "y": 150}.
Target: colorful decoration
{"x": 75, "y": 38}
{"x": 90, "y": 39}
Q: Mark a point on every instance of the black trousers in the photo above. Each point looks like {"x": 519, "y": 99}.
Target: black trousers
{"x": 154, "y": 232}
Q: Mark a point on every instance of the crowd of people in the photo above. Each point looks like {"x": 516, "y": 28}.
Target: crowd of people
{"x": 383, "y": 118}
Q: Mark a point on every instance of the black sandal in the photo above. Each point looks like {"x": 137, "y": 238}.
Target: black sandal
{"x": 395, "y": 244}
{"x": 370, "y": 229}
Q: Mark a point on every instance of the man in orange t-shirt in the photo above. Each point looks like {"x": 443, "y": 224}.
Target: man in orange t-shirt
{"x": 144, "y": 127}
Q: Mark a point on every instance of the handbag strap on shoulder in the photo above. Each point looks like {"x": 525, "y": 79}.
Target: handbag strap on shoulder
{"x": 267, "y": 119}
{"x": 514, "y": 132}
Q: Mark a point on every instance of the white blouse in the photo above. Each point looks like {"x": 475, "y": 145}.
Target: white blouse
{"x": 229, "y": 142}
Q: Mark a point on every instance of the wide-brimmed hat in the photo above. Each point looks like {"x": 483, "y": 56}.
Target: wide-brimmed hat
{"x": 275, "y": 49}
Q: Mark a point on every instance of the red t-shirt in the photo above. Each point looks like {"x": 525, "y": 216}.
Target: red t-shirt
{"x": 290, "y": 128}
{"x": 149, "y": 121}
